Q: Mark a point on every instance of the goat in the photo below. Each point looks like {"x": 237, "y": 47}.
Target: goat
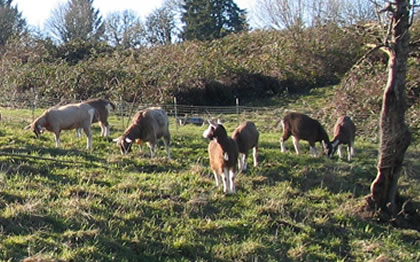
{"x": 147, "y": 126}
{"x": 102, "y": 107}
{"x": 344, "y": 133}
{"x": 246, "y": 137}
{"x": 65, "y": 117}
{"x": 302, "y": 127}
{"x": 223, "y": 155}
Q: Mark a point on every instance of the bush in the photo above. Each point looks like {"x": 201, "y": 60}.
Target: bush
{"x": 249, "y": 65}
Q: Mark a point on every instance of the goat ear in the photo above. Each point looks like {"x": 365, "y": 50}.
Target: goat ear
{"x": 219, "y": 122}
{"x": 128, "y": 140}
{"x": 212, "y": 123}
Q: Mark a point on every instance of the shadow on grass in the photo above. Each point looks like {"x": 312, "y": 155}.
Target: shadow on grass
{"x": 53, "y": 155}
{"x": 307, "y": 172}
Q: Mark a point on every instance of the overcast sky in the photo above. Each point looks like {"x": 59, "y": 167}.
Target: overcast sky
{"x": 37, "y": 11}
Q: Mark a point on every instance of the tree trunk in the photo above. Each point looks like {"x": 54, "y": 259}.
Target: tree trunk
{"x": 394, "y": 134}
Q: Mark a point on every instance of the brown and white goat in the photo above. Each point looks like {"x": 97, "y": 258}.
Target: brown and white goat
{"x": 344, "y": 134}
{"x": 302, "y": 127}
{"x": 147, "y": 126}
{"x": 246, "y": 137}
{"x": 223, "y": 155}
{"x": 65, "y": 117}
{"x": 102, "y": 107}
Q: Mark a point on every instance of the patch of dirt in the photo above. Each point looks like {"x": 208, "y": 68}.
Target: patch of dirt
{"x": 408, "y": 217}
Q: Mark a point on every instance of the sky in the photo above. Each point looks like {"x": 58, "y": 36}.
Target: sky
{"x": 37, "y": 12}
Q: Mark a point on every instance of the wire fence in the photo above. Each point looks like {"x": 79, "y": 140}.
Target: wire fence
{"x": 180, "y": 113}
{"x": 267, "y": 117}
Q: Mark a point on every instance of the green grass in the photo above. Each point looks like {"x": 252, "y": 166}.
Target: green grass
{"x": 72, "y": 205}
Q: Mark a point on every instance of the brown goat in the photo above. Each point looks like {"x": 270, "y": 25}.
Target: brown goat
{"x": 102, "y": 108}
{"x": 223, "y": 155}
{"x": 147, "y": 126}
{"x": 302, "y": 127}
{"x": 344, "y": 134}
{"x": 246, "y": 137}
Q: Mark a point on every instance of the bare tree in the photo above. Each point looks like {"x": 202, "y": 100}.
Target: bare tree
{"x": 125, "y": 29}
{"x": 76, "y": 19}
{"x": 296, "y": 14}
{"x": 160, "y": 25}
{"x": 395, "y": 136}
{"x": 281, "y": 14}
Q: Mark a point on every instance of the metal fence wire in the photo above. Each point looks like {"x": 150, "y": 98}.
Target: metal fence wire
{"x": 268, "y": 117}
{"x": 181, "y": 113}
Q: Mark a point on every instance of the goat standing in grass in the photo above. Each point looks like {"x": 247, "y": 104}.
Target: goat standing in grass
{"x": 302, "y": 127}
{"x": 148, "y": 126}
{"x": 246, "y": 136}
{"x": 71, "y": 116}
{"x": 344, "y": 134}
{"x": 223, "y": 155}
{"x": 102, "y": 107}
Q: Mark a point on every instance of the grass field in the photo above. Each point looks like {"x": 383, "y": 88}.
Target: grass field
{"x": 69, "y": 204}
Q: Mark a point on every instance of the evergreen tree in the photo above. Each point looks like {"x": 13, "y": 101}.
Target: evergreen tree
{"x": 11, "y": 21}
{"x": 212, "y": 19}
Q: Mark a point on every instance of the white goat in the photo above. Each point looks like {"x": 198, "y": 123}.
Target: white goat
{"x": 65, "y": 117}
{"x": 344, "y": 134}
{"x": 302, "y": 127}
{"x": 103, "y": 108}
{"x": 223, "y": 155}
{"x": 147, "y": 126}
{"x": 246, "y": 137}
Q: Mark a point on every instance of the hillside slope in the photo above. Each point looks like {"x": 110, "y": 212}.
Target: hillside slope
{"x": 71, "y": 205}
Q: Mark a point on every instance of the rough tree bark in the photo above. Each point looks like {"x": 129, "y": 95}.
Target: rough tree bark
{"x": 394, "y": 134}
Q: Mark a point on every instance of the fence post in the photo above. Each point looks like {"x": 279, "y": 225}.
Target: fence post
{"x": 176, "y": 114}
{"x": 34, "y": 104}
{"x": 121, "y": 113}
{"x": 237, "y": 110}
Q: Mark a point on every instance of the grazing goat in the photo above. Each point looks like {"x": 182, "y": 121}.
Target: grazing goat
{"x": 65, "y": 117}
{"x": 147, "y": 126}
{"x": 344, "y": 133}
{"x": 223, "y": 154}
{"x": 102, "y": 107}
{"x": 246, "y": 137}
{"x": 302, "y": 127}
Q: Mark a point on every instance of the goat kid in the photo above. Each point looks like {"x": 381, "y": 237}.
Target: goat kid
{"x": 246, "y": 137}
{"x": 344, "y": 134}
{"x": 302, "y": 127}
{"x": 65, "y": 117}
{"x": 148, "y": 126}
{"x": 223, "y": 155}
{"x": 103, "y": 108}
